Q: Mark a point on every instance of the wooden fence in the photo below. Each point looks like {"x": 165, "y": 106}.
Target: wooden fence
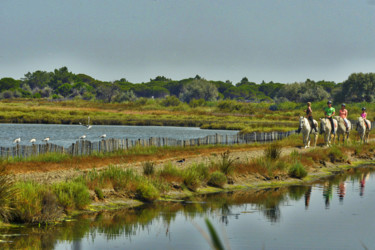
{"x": 84, "y": 147}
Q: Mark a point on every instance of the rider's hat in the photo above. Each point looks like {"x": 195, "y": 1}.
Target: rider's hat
{"x": 329, "y": 102}
{"x": 363, "y": 108}
{"x": 343, "y": 104}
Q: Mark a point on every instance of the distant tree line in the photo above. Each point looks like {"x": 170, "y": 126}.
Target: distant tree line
{"x": 62, "y": 84}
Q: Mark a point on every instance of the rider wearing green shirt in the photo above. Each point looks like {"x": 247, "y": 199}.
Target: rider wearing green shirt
{"x": 330, "y": 112}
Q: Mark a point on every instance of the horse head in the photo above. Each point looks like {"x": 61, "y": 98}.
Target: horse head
{"x": 301, "y": 122}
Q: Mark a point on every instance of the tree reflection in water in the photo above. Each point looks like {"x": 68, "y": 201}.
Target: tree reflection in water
{"x": 128, "y": 222}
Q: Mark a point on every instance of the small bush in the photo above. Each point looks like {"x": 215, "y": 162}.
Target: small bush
{"x": 99, "y": 193}
{"x": 273, "y": 151}
{"x": 147, "y": 192}
{"x": 72, "y": 195}
{"x": 297, "y": 170}
{"x": 217, "y": 179}
{"x": 148, "y": 168}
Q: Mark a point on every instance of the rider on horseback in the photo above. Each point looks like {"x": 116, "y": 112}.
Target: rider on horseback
{"x": 364, "y": 116}
{"x": 344, "y": 114}
{"x": 329, "y": 113}
{"x": 309, "y": 116}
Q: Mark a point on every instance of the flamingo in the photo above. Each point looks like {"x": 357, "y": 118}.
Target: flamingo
{"x": 82, "y": 137}
{"x": 103, "y": 136}
{"x": 33, "y": 140}
{"x": 18, "y": 140}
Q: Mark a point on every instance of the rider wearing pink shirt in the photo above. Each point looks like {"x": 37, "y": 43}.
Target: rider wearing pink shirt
{"x": 343, "y": 112}
{"x": 364, "y": 115}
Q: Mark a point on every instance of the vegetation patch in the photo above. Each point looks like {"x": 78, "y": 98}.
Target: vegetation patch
{"x": 297, "y": 170}
{"x": 217, "y": 179}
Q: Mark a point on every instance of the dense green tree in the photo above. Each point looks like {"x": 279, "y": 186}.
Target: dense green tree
{"x": 38, "y": 79}
{"x": 8, "y": 83}
{"x": 199, "y": 89}
{"x": 270, "y": 89}
{"x": 64, "y": 89}
{"x": 303, "y": 92}
{"x": 358, "y": 87}
{"x": 60, "y": 77}
{"x": 107, "y": 92}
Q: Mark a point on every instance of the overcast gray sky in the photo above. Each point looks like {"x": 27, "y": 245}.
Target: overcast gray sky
{"x": 271, "y": 40}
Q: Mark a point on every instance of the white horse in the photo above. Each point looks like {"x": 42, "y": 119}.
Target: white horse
{"x": 305, "y": 127}
{"x": 325, "y": 126}
{"x": 341, "y": 129}
{"x": 363, "y": 131}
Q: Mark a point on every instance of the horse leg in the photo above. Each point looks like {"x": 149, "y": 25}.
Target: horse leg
{"x": 315, "y": 139}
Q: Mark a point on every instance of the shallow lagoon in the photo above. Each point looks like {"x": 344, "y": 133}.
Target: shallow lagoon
{"x": 336, "y": 213}
{"x": 65, "y": 135}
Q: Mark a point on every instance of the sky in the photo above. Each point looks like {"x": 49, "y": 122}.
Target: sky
{"x": 263, "y": 40}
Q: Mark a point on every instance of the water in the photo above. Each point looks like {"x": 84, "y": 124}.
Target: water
{"x": 65, "y": 135}
{"x": 336, "y": 213}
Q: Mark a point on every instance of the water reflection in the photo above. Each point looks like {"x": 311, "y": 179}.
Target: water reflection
{"x": 128, "y": 223}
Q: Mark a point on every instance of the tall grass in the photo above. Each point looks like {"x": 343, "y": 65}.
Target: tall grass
{"x": 273, "y": 151}
{"x": 226, "y": 163}
{"x": 7, "y": 193}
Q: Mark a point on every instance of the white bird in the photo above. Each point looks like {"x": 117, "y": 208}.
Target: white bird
{"x": 46, "y": 139}
{"x": 88, "y": 126}
{"x": 33, "y": 140}
{"x": 18, "y": 140}
{"x": 82, "y": 137}
{"x": 103, "y": 136}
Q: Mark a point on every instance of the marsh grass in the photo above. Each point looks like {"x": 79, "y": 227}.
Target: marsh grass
{"x": 226, "y": 163}
{"x": 273, "y": 151}
{"x": 195, "y": 175}
{"x": 35, "y": 203}
{"x": 148, "y": 168}
{"x": 335, "y": 154}
{"x": 7, "y": 193}
{"x": 171, "y": 173}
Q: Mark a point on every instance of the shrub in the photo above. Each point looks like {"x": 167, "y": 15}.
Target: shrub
{"x": 171, "y": 101}
{"x": 217, "y": 179}
{"x": 273, "y": 151}
{"x": 99, "y": 193}
{"x": 147, "y": 192}
{"x": 148, "y": 168}
{"x": 196, "y": 103}
{"x": 72, "y": 195}
{"x": 297, "y": 170}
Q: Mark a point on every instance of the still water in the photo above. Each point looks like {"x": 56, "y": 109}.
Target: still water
{"x": 335, "y": 213}
{"x": 65, "y": 135}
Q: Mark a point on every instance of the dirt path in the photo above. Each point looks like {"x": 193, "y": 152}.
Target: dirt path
{"x": 57, "y": 172}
